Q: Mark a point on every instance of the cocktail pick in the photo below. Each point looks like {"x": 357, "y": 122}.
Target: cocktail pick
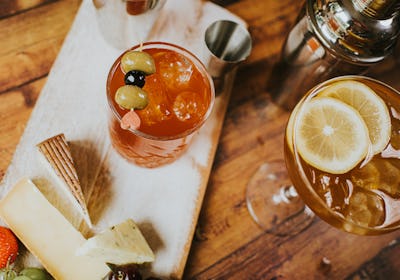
{"x": 57, "y": 152}
{"x": 130, "y": 120}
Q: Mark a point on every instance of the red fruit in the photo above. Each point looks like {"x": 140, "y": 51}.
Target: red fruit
{"x": 8, "y": 247}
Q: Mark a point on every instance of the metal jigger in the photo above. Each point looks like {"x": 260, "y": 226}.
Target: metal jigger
{"x": 228, "y": 43}
{"x": 333, "y": 38}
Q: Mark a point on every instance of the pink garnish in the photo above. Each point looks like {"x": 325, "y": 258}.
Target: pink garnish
{"x": 130, "y": 120}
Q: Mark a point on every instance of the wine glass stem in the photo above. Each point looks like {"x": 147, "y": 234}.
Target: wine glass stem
{"x": 286, "y": 194}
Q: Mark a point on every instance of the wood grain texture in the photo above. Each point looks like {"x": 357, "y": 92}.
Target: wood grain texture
{"x": 228, "y": 244}
{"x": 10, "y": 8}
{"x": 28, "y": 50}
{"x": 15, "y": 109}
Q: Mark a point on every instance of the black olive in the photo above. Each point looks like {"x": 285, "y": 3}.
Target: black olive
{"x": 124, "y": 272}
{"x": 136, "y": 78}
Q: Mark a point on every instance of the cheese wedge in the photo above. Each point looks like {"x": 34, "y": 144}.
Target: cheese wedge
{"x": 120, "y": 244}
{"x": 48, "y": 235}
{"x": 58, "y": 154}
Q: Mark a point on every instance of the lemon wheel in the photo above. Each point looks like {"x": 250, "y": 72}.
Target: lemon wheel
{"x": 371, "y": 107}
{"x": 330, "y": 135}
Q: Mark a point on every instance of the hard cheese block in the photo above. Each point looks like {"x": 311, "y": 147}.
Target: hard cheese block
{"x": 58, "y": 154}
{"x": 120, "y": 244}
{"x": 47, "y": 234}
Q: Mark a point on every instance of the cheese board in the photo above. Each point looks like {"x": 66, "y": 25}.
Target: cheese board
{"x": 165, "y": 202}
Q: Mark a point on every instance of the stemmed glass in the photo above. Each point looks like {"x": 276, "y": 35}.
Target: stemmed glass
{"x": 362, "y": 198}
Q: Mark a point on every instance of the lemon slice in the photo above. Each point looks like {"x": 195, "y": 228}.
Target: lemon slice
{"x": 370, "y": 106}
{"x": 331, "y": 135}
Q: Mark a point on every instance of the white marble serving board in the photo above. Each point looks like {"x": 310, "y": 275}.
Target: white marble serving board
{"x": 165, "y": 201}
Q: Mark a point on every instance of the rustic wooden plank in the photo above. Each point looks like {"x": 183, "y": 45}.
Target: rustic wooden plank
{"x": 269, "y": 22}
{"x": 28, "y": 50}
{"x": 388, "y": 71}
{"x": 295, "y": 257}
{"x": 15, "y": 109}
{"x": 12, "y": 7}
{"x": 384, "y": 266}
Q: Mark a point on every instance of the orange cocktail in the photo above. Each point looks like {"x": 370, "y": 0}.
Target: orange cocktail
{"x": 180, "y": 95}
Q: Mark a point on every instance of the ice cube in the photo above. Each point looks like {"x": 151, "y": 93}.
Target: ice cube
{"x": 379, "y": 174}
{"x": 189, "y": 106}
{"x": 157, "y": 109}
{"x": 366, "y": 209}
{"x": 334, "y": 190}
{"x": 176, "y": 70}
{"x": 366, "y": 177}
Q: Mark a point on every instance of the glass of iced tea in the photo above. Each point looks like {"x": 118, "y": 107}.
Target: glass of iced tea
{"x": 174, "y": 96}
{"x": 342, "y": 154}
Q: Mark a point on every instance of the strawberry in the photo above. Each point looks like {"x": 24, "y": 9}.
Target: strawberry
{"x": 8, "y": 247}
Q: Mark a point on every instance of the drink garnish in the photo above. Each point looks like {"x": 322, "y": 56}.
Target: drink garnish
{"x": 131, "y": 97}
{"x": 135, "y": 77}
{"x": 138, "y": 60}
{"x": 136, "y": 65}
{"x": 130, "y": 120}
{"x": 331, "y": 135}
{"x": 371, "y": 107}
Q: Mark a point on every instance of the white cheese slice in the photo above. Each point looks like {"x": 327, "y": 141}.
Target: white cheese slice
{"x": 48, "y": 235}
{"x": 120, "y": 244}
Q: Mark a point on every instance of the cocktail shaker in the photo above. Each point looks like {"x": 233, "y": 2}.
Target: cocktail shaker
{"x": 332, "y": 38}
{"x": 125, "y": 23}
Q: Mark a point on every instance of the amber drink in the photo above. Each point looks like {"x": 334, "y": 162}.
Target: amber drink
{"x": 180, "y": 97}
{"x": 361, "y": 194}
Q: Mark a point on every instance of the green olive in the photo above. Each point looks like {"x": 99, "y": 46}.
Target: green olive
{"x": 7, "y": 274}
{"x": 34, "y": 273}
{"x": 138, "y": 60}
{"x": 131, "y": 97}
{"x": 22, "y": 277}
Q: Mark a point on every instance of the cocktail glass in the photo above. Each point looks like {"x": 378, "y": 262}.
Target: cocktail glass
{"x": 364, "y": 199}
{"x": 181, "y": 96}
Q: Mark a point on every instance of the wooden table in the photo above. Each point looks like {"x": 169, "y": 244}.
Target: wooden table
{"x": 228, "y": 243}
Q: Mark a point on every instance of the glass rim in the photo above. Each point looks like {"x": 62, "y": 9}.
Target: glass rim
{"x": 346, "y": 224}
{"x": 194, "y": 59}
